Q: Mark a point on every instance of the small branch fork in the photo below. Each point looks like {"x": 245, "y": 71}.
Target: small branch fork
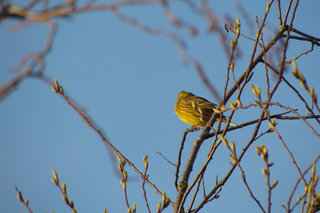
{"x": 57, "y": 88}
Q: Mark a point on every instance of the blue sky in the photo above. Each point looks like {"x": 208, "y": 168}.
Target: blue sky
{"x": 127, "y": 81}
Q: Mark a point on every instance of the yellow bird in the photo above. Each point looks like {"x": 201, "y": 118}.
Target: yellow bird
{"x": 195, "y": 110}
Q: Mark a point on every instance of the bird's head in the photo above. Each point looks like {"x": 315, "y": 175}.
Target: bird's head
{"x": 183, "y": 94}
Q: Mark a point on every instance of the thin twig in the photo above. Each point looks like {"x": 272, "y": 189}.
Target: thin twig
{"x": 289, "y": 209}
{"x": 143, "y": 187}
{"x": 296, "y": 91}
{"x": 180, "y": 155}
{"x": 22, "y": 200}
{"x": 195, "y": 194}
{"x": 279, "y": 13}
{"x": 166, "y": 159}
{"x": 63, "y": 190}
{"x": 95, "y": 129}
{"x": 223, "y": 181}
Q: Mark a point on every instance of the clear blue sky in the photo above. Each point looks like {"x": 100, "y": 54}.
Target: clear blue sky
{"x": 127, "y": 81}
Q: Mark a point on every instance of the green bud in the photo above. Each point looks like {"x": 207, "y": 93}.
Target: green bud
{"x": 65, "y": 199}
{"x": 61, "y": 90}
{"x": 233, "y": 147}
{"x": 125, "y": 175}
{"x": 232, "y": 44}
{"x": 64, "y": 188}
{"x": 216, "y": 110}
{"x": 264, "y": 171}
{"x": 123, "y": 184}
{"x": 224, "y": 140}
{"x": 134, "y": 207}
{"x": 234, "y": 26}
{"x": 166, "y": 203}
{"x": 164, "y": 196}
{"x": 258, "y": 92}
{"x": 159, "y": 207}
{"x": 268, "y": 6}
{"x": 53, "y": 88}
{"x": 253, "y": 89}
{"x": 118, "y": 157}
{"x": 316, "y": 179}
{"x": 238, "y": 21}
{"x": 238, "y": 102}
{"x": 303, "y": 85}
{"x": 19, "y": 196}
{"x": 274, "y": 184}
{"x": 56, "y": 83}
{"x": 55, "y": 175}
{"x": 233, "y": 158}
{"x": 232, "y": 105}
{"x": 54, "y": 181}
{"x": 312, "y": 94}
{"x": 232, "y": 66}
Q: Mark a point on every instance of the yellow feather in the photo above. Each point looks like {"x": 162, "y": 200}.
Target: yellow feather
{"x": 194, "y": 110}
